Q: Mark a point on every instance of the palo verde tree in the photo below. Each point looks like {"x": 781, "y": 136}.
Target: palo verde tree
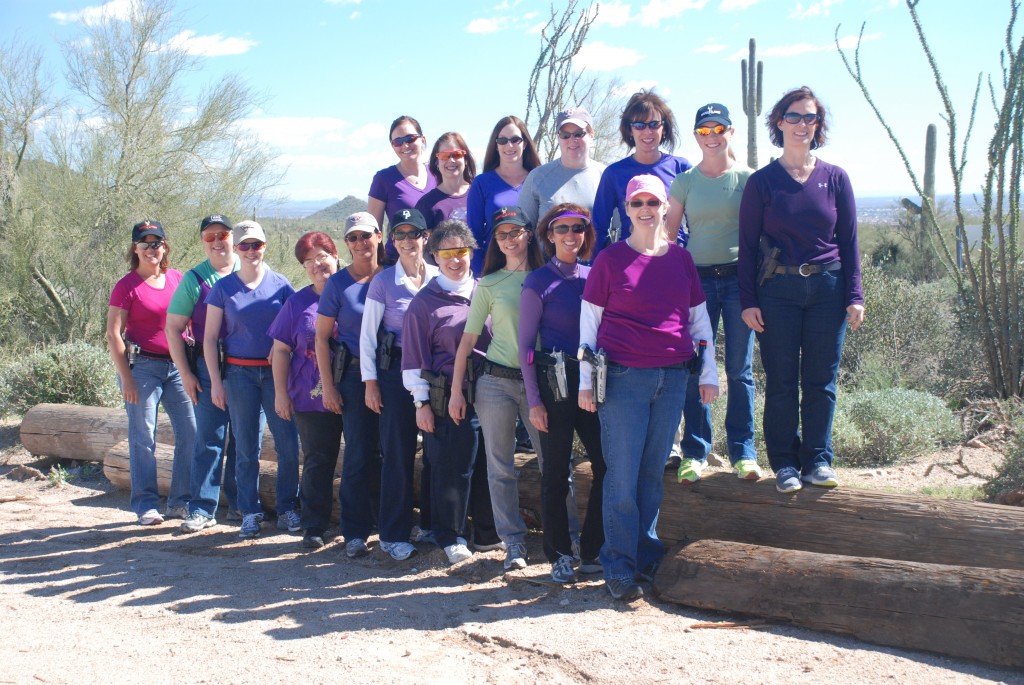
{"x": 990, "y": 284}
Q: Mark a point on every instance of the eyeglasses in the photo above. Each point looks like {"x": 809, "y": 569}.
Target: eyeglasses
{"x": 452, "y": 252}
{"x": 562, "y": 229}
{"x": 356, "y": 237}
{"x": 451, "y": 154}
{"x": 254, "y": 245}
{"x": 502, "y": 140}
{"x": 214, "y": 236}
{"x": 641, "y": 203}
{"x": 509, "y": 235}
{"x": 641, "y": 125}
{"x": 399, "y": 236}
{"x": 708, "y": 130}
{"x": 153, "y": 245}
{"x": 796, "y": 118}
{"x": 565, "y": 135}
{"x": 318, "y": 260}
{"x": 406, "y": 140}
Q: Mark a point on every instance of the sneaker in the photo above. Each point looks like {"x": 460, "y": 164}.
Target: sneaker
{"x": 646, "y": 574}
{"x": 747, "y": 469}
{"x": 562, "y": 570}
{"x": 515, "y": 556}
{"x": 356, "y": 547}
{"x": 176, "y": 513}
{"x": 624, "y": 589}
{"x": 489, "y": 547}
{"x": 233, "y": 515}
{"x": 787, "y": 480}
{"x": 251, "y": 525}
{"x": 589, "y": 566}
{"x": 151, "y": 517}
{"x": 672, "y": 463}
{"x": 419, "y": 535}
{"x": 689, "y": 470}
{"x": 196, "y": 522}
{"x": 458, "y": 552}
{"x": 399, "y": 551}
{"x": 289, "y": 521}
{"x": 822, "y": 476}
{"x": 313, "y": 539}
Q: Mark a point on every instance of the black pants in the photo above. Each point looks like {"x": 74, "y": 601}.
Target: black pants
{"x": 320, "y": 434}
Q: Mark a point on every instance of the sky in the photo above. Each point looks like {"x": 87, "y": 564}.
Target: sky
{"x": 330, "y": 75}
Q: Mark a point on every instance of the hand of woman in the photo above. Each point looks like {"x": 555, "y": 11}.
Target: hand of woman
{"x": 219, "y": 397}
{"x": 191, "y": 385}
{"x": 752, "y": 317}
{"x": 332, "y": 399}
{"x": 130, "y": 390}
{"x": 425, "y": 419}
{"x": 539, "y": 418}
{"x": 708, "y": 393}
{"x": 586, "y": 401}
{"x": 283, "y": 406}
{"x": 457, "y": 407}
{"x": 373, "y": 400}
{"x": 855, "y": 316}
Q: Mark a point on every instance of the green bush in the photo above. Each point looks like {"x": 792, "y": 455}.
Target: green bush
{"x": 70, "y": 373}
{"x": 1010, "y": 474}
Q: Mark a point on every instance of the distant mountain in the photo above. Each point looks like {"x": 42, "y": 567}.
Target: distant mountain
{"x": 339, "y": 211}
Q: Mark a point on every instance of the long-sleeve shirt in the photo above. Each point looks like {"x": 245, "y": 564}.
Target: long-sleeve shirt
{"x": 487, "y": 194}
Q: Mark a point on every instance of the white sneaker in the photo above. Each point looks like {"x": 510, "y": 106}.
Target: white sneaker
{"x": 458, "y": 552}
{"x": 150, "y": 517}
{"x": 515, "y": 556}
{"x": 399, "y": 551}
{"x": 176, "y": 513}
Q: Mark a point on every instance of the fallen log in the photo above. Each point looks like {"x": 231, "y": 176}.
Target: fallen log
{"x": 959, "y": 611}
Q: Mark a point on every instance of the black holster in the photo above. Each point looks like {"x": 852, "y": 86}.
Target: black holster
{"x": 385, "y": 344}
{"x": 440, "y": 392}
{"x": 769, "y": 260}
{"x": 340, "y": 361}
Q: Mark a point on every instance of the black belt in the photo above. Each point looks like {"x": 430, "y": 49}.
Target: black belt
{"x": 718, "y": 270}
{"x": 806, "y": 270}
{"x": 499, "y": 371}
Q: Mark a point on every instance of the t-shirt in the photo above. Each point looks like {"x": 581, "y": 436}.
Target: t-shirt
{"x": 386, "y": 303}
{"x": 391, "y": 187}
{"x": 343, "y": 299}
{"x": 553, "y": 183}
{"x": 192, "y": 292}
{"x": 488, "y": 194}
{"x": 437, "y": 206}
{"x": 610, "y": 199}
{"x": 248, "y": 313}
{"x": 646, "y": 301}
{"x": 497, "y": 296}
{"x": 295, "y": 326}
{"x": 712, "y": 210}
{"x": 147, "y": 309}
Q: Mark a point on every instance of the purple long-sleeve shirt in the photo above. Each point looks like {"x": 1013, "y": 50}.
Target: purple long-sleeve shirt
{"x": 549, "y": 307}
{"x": 811, "y": 223}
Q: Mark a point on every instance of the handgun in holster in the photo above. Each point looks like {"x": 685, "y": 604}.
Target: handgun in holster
{"x": 222, "y": 359}
{"x": 769, "y": 261}
{"x": 697, "y": 360}
{"x": 340, "y": 361}
{"x": 471, "y": 372}
{"x": 131, "y": 351}
{"x": 599, "y": 362}
{"x": 385, "y": 343}
{"x": 440, "y": 392}
{"x": 554, "y": 373}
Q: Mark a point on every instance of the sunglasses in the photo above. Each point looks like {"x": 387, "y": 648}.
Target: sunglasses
{"x": 708, "y": 130}
{"x": 509, "y": 235}
{"x": 451, "y": 154}
{"x": 153, "y": 245}
{"x": 399, "y": 236}
{"x": 641, "y": 203}
{"x": 214, "y": 236}
{"x": 502, "y": 140}
{"x": 406, "y": 140}
{"x": 562, "y": 229}
{"x": 565, "y": 135}
{"x": 356, "y": 237}
{"x": 641, "y": 125}
{"x": 452, "y": 252}
{"x": 796, "y": 118}
{"x": 255, "y": 245}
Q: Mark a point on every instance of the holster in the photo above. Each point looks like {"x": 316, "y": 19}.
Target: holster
{"x": 553, "y": 364}
{"x": 769, "y": 260}
{"x": 599, "y": 362}
{"x": 440, "y": 392}
{"x": 222, "y": 359}
{"x": 471, "y": 374}
{"x": 340, "y": 361}
{"x": 131, "y": 351}
{"x": 385, "y": 343}
{"x": 697, "y": 360}
{"x": 193, "y": 353}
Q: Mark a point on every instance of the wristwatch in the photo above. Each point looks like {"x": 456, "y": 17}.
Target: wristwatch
{"x": 419, "y": 403}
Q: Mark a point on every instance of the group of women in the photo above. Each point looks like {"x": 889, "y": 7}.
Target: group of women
{"x": 615, "y": 352}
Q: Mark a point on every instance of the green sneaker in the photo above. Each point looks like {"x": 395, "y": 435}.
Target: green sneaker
{"x": 689, "y": 470}
{"x": 747, "y": 469}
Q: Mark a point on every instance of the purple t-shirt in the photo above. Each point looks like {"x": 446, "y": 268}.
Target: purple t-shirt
{"x": 147, "y": 309}
{"x": 249, "y": 313}
{"x": 811, "y": 223}
{"x": 395, "y": 297}
{"x": 391, "y": 187}
{"x": 611, "y": 192}
{"x": 437, "y": 206}
{"x": 549, "y": 307}
{"x": 295, "y": 326}
{"x": 432, "y": 329}
{"x": 487, "y": 195}
{"x": 343, "y": 299}
{"x": 646, "y": 303}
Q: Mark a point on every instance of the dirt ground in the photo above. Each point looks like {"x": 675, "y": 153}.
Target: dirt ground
{"x": 89, "y": 597}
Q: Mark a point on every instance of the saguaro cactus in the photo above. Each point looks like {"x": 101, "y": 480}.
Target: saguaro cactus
{"x": 751, "y": 77}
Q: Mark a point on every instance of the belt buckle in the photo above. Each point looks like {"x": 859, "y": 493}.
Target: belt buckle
{"x": 805, "y": 274}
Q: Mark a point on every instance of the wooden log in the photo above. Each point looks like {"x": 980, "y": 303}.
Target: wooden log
{"x": 859, "y": 523}
{"x": 959, "y": 611}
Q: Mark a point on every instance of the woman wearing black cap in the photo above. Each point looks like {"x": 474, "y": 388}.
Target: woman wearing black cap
{"x": 138, "y": 345}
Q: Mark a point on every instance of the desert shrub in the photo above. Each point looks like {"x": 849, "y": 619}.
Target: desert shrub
{"x": 894, "y": 424}
{"x": 70, "y": 373}
{"x": 1010, "y": 473}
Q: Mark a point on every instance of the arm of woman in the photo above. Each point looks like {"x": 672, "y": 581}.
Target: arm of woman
{"x": 322, "y": 346}
{"x": 590, "y": 320}
{"x": 674, "y": 217}
{"x": 280, "y": 365}
{"x": 373, "y": 313}
{"x": 849, "y": 252}
{"x": 176, "y": 324}
{"x": 457, "y": 402}
{"x": 605, "y": 203}
{"x": 214, "y": 318}
{"x": 376, "y": 208}
{"x": 117, "y": 318}
{"x": 530, "y": 308}
{"x": 751, "y": 221}
{"x": 700, "y": 329}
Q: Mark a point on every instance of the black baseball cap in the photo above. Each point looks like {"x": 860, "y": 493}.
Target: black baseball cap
{"x": 410, "y": 217}
{"x": 715, "y": 112}
{"x": 144, "y": 228}
{"x": 509, "y": 215}
{"x": 215, "y": 219}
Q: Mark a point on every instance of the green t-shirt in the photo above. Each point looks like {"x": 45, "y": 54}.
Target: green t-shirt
{"x": 712, "y": 209}
{"x": 187, "y": 295}
{"x": 497, "y": 296}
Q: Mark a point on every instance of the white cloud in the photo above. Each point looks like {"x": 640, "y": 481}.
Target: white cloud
{"x": 711, "y": 47}
{"x": 114, "y": 9}
{"x": 815, "y": 9}
{"x": 506, "y": 5}
{"x": 296, "y": 132}
{"x": 596, "y": 56}
{"x": 614, "y": 13}
{"x": 354, "y": 15}
{"x": 210, "y": 46}
{"x": 736, "y": 5}
{"x": 655, "y": 11}
{"x": 483, "y": 26}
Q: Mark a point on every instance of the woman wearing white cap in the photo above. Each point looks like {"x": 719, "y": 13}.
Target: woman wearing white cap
{"x": 644, "y": 308}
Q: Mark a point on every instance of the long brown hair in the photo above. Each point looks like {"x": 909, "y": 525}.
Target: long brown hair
{"x": 531, "y": 160}
{"x": 495, "y": 259}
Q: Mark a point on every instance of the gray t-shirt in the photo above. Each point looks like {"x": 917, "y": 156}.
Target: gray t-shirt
{"x": 553, "y": 183}
{"x": 712, "y": 209}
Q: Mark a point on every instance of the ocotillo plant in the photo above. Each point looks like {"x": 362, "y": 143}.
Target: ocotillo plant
{"x": 751, "y": 77}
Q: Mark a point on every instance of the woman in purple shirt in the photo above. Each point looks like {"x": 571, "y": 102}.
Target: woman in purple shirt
{"x": 452, "y": 166}
{"x": 298, "y": 389}
{"x": 550, "y": 308}
{"x": 804, "y": 208}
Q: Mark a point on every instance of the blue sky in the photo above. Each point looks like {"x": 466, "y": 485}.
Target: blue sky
{"x": 332, "y": 74}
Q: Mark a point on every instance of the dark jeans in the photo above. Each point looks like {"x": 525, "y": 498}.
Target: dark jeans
{"x": 458, "y": 481}
{"x": 398, "y": 448}
{"x": 564, "y": 418}
{"x": 320, "y": 435}
{"x": 212, "y": 428}
{"x": 360, "y": 468}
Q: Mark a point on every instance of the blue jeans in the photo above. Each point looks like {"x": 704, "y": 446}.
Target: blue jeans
{"x": 158, "y": 382}
{"x": 250, "y": 391}
{"x": 723, "y": 302}
{"x": 638, "y": 425}
{"x": 212, "y": 429}
{"x": 804, "y": 327}
{"x": 360, "y": 468}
